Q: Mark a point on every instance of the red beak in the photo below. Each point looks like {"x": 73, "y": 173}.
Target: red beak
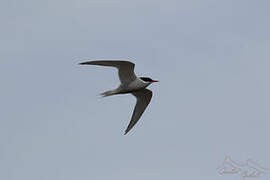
{"x": 155, "y": 81}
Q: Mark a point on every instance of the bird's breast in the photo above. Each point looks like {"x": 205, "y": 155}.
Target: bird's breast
{"x": 137, "y": 84}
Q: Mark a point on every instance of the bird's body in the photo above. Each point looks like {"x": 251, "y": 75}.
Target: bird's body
{"x": 130, "y": 83}
{"x": 130, "y": 87}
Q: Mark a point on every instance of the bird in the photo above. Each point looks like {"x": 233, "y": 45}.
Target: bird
{"x": 129, "y": 83}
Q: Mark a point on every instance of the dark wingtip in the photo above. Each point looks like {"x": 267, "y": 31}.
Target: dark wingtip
{"x": 126, "y": 132}
{"x": 81, "y": 63}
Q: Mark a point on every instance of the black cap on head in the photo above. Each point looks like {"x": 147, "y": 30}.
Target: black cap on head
{"x": 146, "y": 79}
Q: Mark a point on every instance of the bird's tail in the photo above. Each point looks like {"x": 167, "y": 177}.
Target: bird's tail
{"x": 108, "y": 93}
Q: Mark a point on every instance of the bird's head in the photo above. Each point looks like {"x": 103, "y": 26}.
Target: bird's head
{"x": 148, "y": 80}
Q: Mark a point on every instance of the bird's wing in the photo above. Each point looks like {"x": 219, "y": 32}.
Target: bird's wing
{"x": 125, "y": 69}
{"x": 143, "y": 99}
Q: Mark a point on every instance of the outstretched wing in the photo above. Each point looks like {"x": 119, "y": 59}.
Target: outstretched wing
{"x": 143, "y": 99}
{"x": 125, "y": 69}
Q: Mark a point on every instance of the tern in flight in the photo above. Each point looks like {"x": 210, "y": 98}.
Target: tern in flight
{"x": 130, "y": 83}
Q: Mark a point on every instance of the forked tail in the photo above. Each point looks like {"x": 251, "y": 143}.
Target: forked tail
{"x": 108, "y": 93}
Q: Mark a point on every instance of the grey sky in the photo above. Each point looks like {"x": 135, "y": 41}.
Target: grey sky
{"x": 212, "y": 60}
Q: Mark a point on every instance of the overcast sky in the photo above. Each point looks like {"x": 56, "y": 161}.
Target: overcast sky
{"x": 212, "y": 60}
